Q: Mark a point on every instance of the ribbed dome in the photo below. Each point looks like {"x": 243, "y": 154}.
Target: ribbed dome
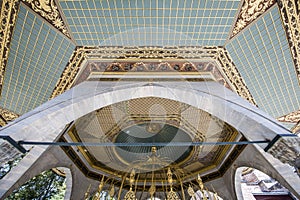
{"x": 153, "y": 133}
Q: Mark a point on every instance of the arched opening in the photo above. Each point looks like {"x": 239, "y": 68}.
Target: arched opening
{"x": 50, "y": 184}
{"x": 252, "y": 184}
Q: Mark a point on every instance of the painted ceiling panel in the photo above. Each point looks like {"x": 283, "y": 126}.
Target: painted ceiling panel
{"x": 153, "y": 22}
{"x": 262, "y": 55}
{"x": 38, "y": 55}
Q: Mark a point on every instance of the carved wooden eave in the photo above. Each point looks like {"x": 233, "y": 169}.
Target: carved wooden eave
{"x": 293, "y": 117}
{"x": 8, "y": 18}
{"x": 68, "y": 76}
{"x": 49, "y": 11}
{"x": 215, "y": 53}
{"x": 296, "y": 128}
{"x": 233, "y": 75}
{"x": 251, "y": 9}
{"x": 290, "y": 15}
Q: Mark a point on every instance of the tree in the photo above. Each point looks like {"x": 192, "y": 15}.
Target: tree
{"x": 5, "y": 168}
{"x": 47, "y": 185}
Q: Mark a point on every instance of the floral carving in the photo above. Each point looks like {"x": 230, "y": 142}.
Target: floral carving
{"x": 250, "y": 10}
{"x": 6, "y": 116}
{"x": 7, "y": 20}
{"x": 48, "y": 10}
{"x": 291, "y": 19}
{"x": 233, "y": 75}
{"x": 293, "y": 117}
{"x": 68, "y": 76}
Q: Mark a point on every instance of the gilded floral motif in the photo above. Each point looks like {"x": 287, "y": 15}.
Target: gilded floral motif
{"x": 234, "y": 76}
{"x": 290, "y": 14}
{"x": 250, "y": 10}
{"x": 48, "y": 10}
{"x": 293, "y": 117}
{"x": 7, "y": 20}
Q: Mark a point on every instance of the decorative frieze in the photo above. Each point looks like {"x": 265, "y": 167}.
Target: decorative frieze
{"x": 291, "y": 19}
{"x": 296, "y": 128}
{"x": 94, "y": 54}
{"x": 48, "y": 10}
{"x": 9, "y": 11}
{"x": 6, "y": 116}
{"x": 233, "y": 75}
{"x": 293, "y": 117}
{"x": 68, "y": 76}
{"x": 250, "y": 10}
{"x": 154, "y": 52}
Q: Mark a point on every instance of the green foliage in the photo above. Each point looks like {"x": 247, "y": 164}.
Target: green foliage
{"x": 4, "y": 169}
{"x": 47, "y": 185}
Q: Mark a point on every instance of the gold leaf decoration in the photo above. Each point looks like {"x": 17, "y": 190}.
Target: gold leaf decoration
{"x": 250, "y": 10}
{"x": 7, "y": 116}
{"x": 290, "y": 14}
{"x": 68, "y": 76}
{"x": 7, "y": 19}
{"x": 233, "y": 75}
{"x": 172, "y": 195}
{"x": 293, "y": 117}
{"x": 48, "y": 10}
{"x": 130, "y": 195}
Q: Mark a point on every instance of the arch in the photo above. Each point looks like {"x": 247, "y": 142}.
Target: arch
{"x": 46, "y": 184}
{"x": 254, "y": 157}
{"x": 260, "y": 182}
{"x": 51, "y": 117}
{"x": 46, "y": 122}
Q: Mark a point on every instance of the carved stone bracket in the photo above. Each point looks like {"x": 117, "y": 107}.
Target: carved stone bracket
{"x": 286, "y": 149}
{"x": 291, "y": 19}
{"x": 7, "y": 20}
{"x": 250, "y": 10}
{"x": 293, "y": 117}
{"x": 233, "y": 75}
{"x": 48, "y": 10}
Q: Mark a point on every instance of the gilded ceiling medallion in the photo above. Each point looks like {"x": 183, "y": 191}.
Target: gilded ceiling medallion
{"x": 48, "y": 10}
{"x": 250, "y": 10}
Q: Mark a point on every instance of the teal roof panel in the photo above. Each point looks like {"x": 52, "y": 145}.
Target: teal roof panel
{"x": 140, "y": 22}
{"x": 38, "y": 55}
{"x": 262, "y": 55}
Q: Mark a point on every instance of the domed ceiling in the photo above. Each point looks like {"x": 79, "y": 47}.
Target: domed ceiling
{"x": 250, "y": 47}
{"x": 254, "y": 45}
{"x": 139, "y": 125}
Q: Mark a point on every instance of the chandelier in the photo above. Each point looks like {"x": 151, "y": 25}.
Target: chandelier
{"x": 171, "y": 192}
